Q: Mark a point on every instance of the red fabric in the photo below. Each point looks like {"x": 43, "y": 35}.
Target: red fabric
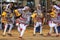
{"x": 58, "y": 14}
{"x": 21, "y": 29}
{"x": 42, "y": 20}
{"x": 21, "y": 18}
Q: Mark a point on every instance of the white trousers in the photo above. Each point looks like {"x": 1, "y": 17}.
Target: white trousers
{"x": 6, "y": 26}
{"x": 21, "y": 29}
{"x": 36, "y": 25}
{"x": 51, "y": 25}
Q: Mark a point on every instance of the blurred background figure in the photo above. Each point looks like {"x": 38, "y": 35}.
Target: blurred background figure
{"x": 0, "y": 16}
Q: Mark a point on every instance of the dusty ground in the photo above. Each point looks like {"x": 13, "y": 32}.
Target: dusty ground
{"x": 29, "y": 35}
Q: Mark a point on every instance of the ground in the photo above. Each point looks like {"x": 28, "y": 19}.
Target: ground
{"x": 28, "y": 35}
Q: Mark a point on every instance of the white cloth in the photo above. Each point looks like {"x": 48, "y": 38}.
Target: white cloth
{"x": 58, "y": 9}
{"x": 51, "y": 24}
{"x": 20, "y": 10}
{"x": 56, "y": 30}
{"x": 7, "y": 6}
{"x": 37, "y": 25}
{"x": 23, "y": 27}
{"x": 6, "y": 26}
